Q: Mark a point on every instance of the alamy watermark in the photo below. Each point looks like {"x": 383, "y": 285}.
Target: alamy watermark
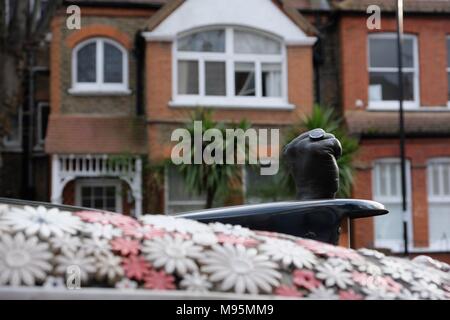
{"x": 73, "y": 277}
{"x": 231, "y": 149}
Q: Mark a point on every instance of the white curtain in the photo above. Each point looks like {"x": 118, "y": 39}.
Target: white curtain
{"x": 272, "y": 79}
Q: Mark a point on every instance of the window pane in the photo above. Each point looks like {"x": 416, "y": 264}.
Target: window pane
{"x": 250, "y": 42}
{"x": 448, "y": 86}
{"x": 85, "y": 192}
{"x": 383, "y": 53}
{"x": 113, "y": 64}
{"x": 435, "y": 177}
{"x": 244, "y": 79}
{"x": 439, "y": 225}
{"x": 271, "y": 79}
{"x": 188, "y": 77}
{"x": 390, "y": 226}
{"x": 45, "y": 112}
{"x": 177, "y": 188}
{"x": 86, "y": 63}
{"x": 448, "y": 52}
{"x": 215, "y": 79}
{"x": 384, "y": 86}
{"x": 207, "y": 41}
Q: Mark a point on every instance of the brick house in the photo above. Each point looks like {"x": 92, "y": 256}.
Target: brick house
{"x": 368, "y": 91}
{"x": 136, "y": 70}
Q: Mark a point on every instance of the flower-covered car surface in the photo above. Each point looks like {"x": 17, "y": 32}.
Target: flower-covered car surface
{"x": 41, "y": 247}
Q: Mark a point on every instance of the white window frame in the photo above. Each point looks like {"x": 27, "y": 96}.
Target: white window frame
{"x": 168, "y": 203}
{"x": 99, "y": 87}
{"x": 447, "y": 44}
{"x": 436, "y": 199}
{"x": 96, "y": 182}
{"x": 393, "y": 245}
{"x": 229, "y": 57}
{"x": 393, "y": 104}
{"x": 15, "y": 145}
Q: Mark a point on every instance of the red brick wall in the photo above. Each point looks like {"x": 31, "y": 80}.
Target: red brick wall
{"x": 431, "y": 33}
{"x": 418, "y": 151}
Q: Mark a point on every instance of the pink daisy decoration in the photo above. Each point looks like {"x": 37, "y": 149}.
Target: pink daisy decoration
{"x": 288, "y": 291}
{"x": 125, "y": 246}
{"x": 305, "y": 279}
{"x": 93, "y": 217}
{"x": 142, "y": 232}
{"x": 159, "y": 280}
{"x": 349, "y": 295}
{"x": 390, "y": 284}
{"x": 246, "y": 242}
{"x": 363, "y": 278}
{"x": 120, "y": 220}
{"x": 268, "y": 234}
{"x": 136, "y": 267}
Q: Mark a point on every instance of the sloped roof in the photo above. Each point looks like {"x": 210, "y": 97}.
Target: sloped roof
{"x": 387, "y": 123}
{"x": 94, "y": 134}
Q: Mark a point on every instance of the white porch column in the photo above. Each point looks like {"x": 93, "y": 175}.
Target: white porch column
{"x": 57, "y": 186}
{"x": 137, "y": 188}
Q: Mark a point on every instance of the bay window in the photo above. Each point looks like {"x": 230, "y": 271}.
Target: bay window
{"x": 229, "y": 66}
{"x": 383, "y": 71}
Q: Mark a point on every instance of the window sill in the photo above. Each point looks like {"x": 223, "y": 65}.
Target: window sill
{"x": 224, "y": 104}
{"x": 99, "y": 92}
{"x": 409, "y": 108}
{"x": 399, "y": 249}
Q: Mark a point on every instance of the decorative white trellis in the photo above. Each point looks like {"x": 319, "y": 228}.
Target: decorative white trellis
{"x": 66, "y": 168}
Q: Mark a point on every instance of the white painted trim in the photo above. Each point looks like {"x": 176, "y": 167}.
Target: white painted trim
{"x": 102, "y": 182}
{"x": 397, "y": 244}
{"x": 221, "y": 103}
{"x": 393, "y": 104}
{"x": 150, "y": 36}
{"x": 99, "y": 87}
{"x": 230, "y": 58}
{"x": 412, "y": 109}
{"x": 306, "y": 42}
{"x": 257, "y": 14}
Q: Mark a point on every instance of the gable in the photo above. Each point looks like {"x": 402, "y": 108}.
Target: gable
{"x": 263, "y": 15}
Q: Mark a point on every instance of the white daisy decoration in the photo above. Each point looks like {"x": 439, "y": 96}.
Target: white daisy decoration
{"x": 196, "y": 282}
{"x": 126, "y": 284}
{"x": 367, "y": 267}
{"x": 205, "y": 238}
{"x": 65, "y": 243}
{"x": 23, "y": 260}
{"x": 95, "y": 246}
{"x": 340, "y": 263}
{"x": 322, "y": 293}
{"x": 241, "y": 269}
{"x": 334, "y": 275}
{"x": 371, "y": 253}
{"x": 397, "y": 268}
{"x": 428, "y": 290}
{"x": 54, "y": 283}
{"x": 378, "y": 293}
{"x": 173, "y": 224}
{"x": 228, "y": 229}
{"x": 287, "y": 253}
{"x": 102, "y": 231}
{"x": 80, "y": 259}
{"x": 109, "y": 267}
{"x": 405, "y": 294}
{"x": 3, "y": 209}
{"x": 41, "y": 221}
{"x": 172, "y": 253}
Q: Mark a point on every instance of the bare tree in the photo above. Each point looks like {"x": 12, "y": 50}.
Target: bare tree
{"x": 23, "y": 25}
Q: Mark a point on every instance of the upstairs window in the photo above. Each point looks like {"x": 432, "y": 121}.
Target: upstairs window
{"x": 99, "y": 65}
{"x": 237, "y": 64}
{"x": 383, "y": 71}
{"x": 439, "y": 204}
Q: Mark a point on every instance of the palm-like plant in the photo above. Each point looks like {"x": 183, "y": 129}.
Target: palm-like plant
{"x": 326, "y": 119}
{"x": 215, "y": 180}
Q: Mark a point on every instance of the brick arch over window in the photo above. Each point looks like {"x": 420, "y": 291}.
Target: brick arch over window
{"x": 99, "y": 30}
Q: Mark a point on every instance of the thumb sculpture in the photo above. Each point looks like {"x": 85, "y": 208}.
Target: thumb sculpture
{"x": 311, "y": 158}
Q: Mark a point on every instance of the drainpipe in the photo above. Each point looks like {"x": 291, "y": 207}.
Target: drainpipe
{"x": 139, "y": 53}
